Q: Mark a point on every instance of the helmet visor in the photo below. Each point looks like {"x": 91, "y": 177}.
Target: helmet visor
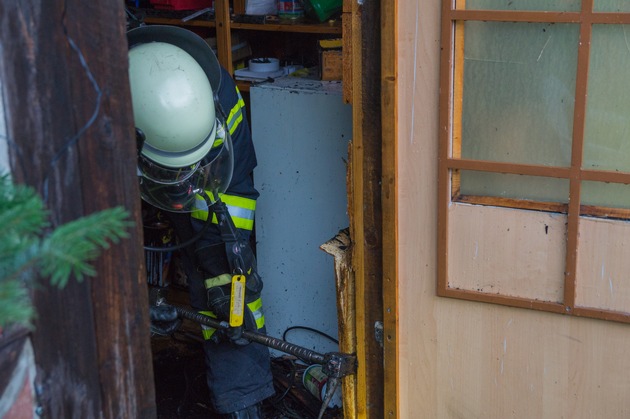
{"x": 187, "y": 189}
{"x": 165, "y": 175}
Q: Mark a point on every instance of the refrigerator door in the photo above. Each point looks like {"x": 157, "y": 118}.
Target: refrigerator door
{"x": 301, "y": 130}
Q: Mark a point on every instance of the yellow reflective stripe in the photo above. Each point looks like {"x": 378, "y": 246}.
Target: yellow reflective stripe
{"x": 201, "y": 208}
{"x": 233, "y": 120}
{"x": 217, "y": 281}
{"x": 236, "y": 113}
{"x": 200, "y": 203}
{"x": 255, "y": 305}
{"x": 243, "y": 224}
{"x": 239, "y": 201}
{"x": 241, "y": 210}
{"x": 218, "y": 141}
{"x": 219, "y": 135}
{"x": 207, "y": 331}
{"x": 256, "y": 309}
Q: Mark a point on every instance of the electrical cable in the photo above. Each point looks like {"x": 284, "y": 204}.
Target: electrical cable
{"x": 286, "y": 391}
{"x": 291, "y": 374}
{"x": 310, "y": 329}
{"x": 286, "y": 367}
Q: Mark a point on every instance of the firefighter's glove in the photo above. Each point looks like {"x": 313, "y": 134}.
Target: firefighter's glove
{"x": 164, "y": 319}
{"x": 219, "y": 291}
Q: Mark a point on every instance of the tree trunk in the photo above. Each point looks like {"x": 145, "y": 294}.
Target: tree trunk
{"x": 63, "y": 72}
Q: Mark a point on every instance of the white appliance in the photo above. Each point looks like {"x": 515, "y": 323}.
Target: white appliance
{"x": 301, "y": 130}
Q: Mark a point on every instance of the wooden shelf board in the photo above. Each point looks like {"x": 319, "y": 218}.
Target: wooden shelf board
{"x": 323, "y": 28}
{"x": 178, "y": 22}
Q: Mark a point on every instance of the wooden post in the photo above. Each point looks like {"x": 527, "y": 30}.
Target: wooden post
{"x": 224, "y": 43}
{"x": 63, "y": 67}
{"x": 365, "y": 210}
{"x": 346, "y": 30}
{"x": 389, "y": 119}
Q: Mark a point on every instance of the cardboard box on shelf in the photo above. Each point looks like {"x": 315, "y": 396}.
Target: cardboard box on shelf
{"x": 330, "y": 59}
{"x": 331, "y": 65}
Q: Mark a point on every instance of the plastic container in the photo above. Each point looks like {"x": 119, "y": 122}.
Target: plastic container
{"x": 290, "y": 9}
{"x": 322, "y": 9}
{"x": 264, "y": 65}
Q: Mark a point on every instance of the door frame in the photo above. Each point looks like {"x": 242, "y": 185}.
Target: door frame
{"x": 372, "y": 205}
{"x": 389, "y": 110}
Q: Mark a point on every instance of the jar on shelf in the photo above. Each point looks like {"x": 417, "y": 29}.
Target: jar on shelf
{"x": 290, "y": 10}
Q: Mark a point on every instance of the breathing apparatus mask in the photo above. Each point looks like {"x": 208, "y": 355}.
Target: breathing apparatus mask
{"x": 185, "y": 155}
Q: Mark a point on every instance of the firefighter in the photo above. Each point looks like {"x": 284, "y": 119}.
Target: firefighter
{"x": 195, "y": 149}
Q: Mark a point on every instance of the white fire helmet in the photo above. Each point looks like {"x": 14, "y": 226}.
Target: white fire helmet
{"x": 185, "y": 152}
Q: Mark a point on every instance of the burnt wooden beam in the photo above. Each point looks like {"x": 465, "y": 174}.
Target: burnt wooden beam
{"x": 365, "y": 204}
{"x": 63, "y": 72}
{"x": 340, "y": 248}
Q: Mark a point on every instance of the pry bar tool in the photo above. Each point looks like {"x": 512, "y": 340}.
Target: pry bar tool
{"x": 334, "y": 364}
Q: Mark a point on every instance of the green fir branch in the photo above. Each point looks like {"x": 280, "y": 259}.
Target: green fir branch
{"x": 28, "y": 249}
{"x": 23, "y": 217}
{"x": 72, "y": 246}
{"x": 15, "y": 305}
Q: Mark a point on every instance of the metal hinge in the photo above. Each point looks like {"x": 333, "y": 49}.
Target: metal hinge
{"x": 378, "y": 333}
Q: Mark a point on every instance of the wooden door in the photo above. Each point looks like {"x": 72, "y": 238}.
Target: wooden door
{"x": 456, "y": 358}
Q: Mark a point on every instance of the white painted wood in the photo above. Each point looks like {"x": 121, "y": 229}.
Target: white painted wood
{"x": 506, "y": 251}
{"x": 603, "y": 276}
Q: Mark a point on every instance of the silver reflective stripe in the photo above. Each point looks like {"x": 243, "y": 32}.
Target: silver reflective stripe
{"x": 201, "y": 205}
{"x": 239, "y": 212}
{"x": 233, "y": 123}
{"x": 234, "y": 210}
{"x": 257, "y": 314}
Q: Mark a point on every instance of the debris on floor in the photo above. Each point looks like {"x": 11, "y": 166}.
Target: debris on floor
{"x": 181, "y": 391}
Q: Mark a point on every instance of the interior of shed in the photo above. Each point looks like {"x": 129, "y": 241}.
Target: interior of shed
{"x": 301, "y": 127}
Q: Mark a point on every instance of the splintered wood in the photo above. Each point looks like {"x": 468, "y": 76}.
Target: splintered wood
{"x": 341, "y": 250}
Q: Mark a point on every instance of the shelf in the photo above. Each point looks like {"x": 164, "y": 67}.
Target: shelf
{"x": 243, "y": 86}
{"x": 272, "y": 37}
{"x": 316, "y": 28}
{"x": 178, "y": 22}
{"x": 321, "y": 28}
